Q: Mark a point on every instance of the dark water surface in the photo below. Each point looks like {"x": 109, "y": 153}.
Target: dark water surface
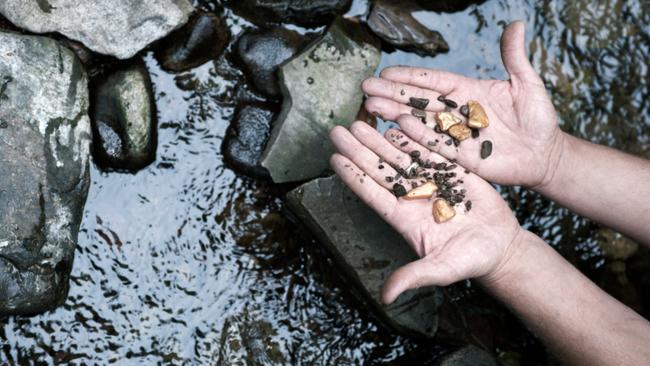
{"x": 187, "y": 262}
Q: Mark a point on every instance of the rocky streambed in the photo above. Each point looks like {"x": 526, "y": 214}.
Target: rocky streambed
{"x": 199, "y": 242}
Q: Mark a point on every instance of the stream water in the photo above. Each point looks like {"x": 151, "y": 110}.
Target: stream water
{"x": 188, "y": 262}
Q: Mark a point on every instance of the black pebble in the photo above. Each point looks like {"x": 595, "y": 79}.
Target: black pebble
{"x": 419, "y": 103}
{"x": 399, "y": 190}
{"x": 486, "y": 149}
{"x": 415, "y": 154}
{"x": 464, "y": 110}
{"x": 381, "y": 167}
{"x": 441, "y": 98}
{"x": 468, "y": 205}
{"x": 404, "y": 143}
{"x": 449, "y": 142}
{"x": 437, "y": 129}
{"x": 450, "y": 103}
{"x": 475, "y": 133}
{"x": 418, "y": 113}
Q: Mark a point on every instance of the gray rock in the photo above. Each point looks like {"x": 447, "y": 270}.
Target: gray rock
{"x": 367, "y": 250}
{"x": 124, "y": 119}
{"x": 246, "y": 137}
{"x": 321, "y": 89}
{"x": 395, "y": 25}
{"x": 262, "y": 51}
{"x": 44, "y": 149}
{"x": 468, "y": 356}
{"x": 202, "y": 39}
{"x": 246, "y": 340}
{"x": 448, "y": 6}
{"x": 305, "y": 12}
{"x": 119, "y": 28}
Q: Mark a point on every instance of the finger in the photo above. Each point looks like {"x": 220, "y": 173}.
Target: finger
{"x": 399, "y": 92}
{"x": 374, "y": 141}
{"x": 442, "y": 82}
{"x": 374, "y": 195}
{"x": 391, "y": 110}
{"x": 513, "y": 53}
{"x": 420, "y": 273}
{"x": 369, "y": 162}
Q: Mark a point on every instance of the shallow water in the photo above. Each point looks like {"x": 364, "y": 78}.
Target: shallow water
{"x": 177, "y": 261}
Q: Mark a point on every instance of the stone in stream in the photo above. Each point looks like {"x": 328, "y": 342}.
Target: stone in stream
{"x": 119, "y": 28}
{"x": 367, "y": 250}
{"x": 449, "y": 6}
{"x": 468, "y": 356}
{"x": 262, "y": 51}
{"x": 246, "y": 137}
{"x": 304, "y": 12}
{"x": 124, "y": 122}
{"x": 246, "y": 340}
{"x": 395, "y": 25}
{"x": 320, "y": 88}
{"x": 44, "y": 154}
{"x": 202, "y": 39}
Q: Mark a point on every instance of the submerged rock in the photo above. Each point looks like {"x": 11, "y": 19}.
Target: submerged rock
{"x": 44, "y": 149}
{"x": 320, "y": 88}
{"x": 202, "y": 39}
{"x": 246, "y": 138}
{"x": 448, "y": 6}
{"x": 246, "y": 340}
{"x": 124, "y": 120}
{"x": 468, "y": 356}
{"x": 395, "y": 25}
{"x": 262, "y": 51}
{"x": 367, "y": 250}
{"x": 119, "y": 28}
{"x": 305, "y": 12}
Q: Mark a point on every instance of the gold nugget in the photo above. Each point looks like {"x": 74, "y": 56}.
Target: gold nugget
{"x": 424, "y": 191}
{"x": 442, "y": 211}
{"x": 477, "y": 116}
{"x": 446, "y": 120}
{"x": 460, "y": 132}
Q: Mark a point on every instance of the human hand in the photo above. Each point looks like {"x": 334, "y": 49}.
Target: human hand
{"x": 474, "y": 243}
{"x": 523, "y": 124}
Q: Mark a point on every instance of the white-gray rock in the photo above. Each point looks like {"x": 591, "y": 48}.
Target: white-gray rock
{"x": 44, "y": 149}
{"x": 119, "y": 28}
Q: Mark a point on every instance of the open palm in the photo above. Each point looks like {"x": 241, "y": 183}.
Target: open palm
{"x": 472, "y": 244}
{"x": 523, "y": 125}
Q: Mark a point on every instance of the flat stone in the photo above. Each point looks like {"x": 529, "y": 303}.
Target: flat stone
{"x": 44, "y": 150}
{"x": 468, "y": 356}
{"x": 367, "y": 250}
{"x": 262, "y": 51}
{"x": 119, "y": 28}
{"x": 304, "y": 12}
{"x": 246, "y": 137}
{"x": 202, "y": 39}
{"x": 321, "y": 89}
{"x": 395, "y": 25}
{"x": 124, "y": 119}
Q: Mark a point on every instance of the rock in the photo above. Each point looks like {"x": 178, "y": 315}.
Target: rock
{"x": 249, "y": 341}
{"x": 262, "y": 51}
{"x": 119, "y": 28}
{"x": 304, "y": 12}
{"x": 395, "y": 25}
{"x": 614, "y": 245}
{"x": 367, "y": 250}
{"x": 124, "y": 120}
{"x": 44, "y": 149}
{"x": 202, "y": 39}
{"x": 246, "y": 138}
{"x": 448, "y": 6}
{"x": 321, "y": 89}
{"x": 468, "y": 356}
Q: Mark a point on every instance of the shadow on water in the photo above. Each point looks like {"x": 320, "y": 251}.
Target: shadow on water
{"x": 187, "y": 262}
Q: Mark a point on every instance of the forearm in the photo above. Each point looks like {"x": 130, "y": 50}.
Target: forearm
{"x": 576, "y": 319}
{"x": 603, "y": 184}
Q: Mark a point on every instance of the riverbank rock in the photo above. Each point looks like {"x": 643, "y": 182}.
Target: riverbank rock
{"x": 44, "y": 149}
{"x": 448, "y": 6}
{"x": 119, "y": 28}
{"x": 395, "y": 25}
{"x": 124, "y": 122}
{"x": 246, "y": 137}
{"x": 202, "y": 39}
{"x": 304, "y": 12}
{"x": 262, "y": 51}
{"x": 320, "y": 89}
{"x": 468, "y": 356}
{"x": 367, "y": 250}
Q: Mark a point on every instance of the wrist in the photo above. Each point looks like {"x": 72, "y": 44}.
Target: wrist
{"x": 558, "y": 156}
{"x": 515, "y": 259}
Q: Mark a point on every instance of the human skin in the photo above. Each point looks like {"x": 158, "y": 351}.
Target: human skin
{"x": 579, "y": 322}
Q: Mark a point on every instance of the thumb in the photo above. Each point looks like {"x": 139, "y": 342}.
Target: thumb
{"x": 422, "y": 272}
{"x": 513, "y": 53}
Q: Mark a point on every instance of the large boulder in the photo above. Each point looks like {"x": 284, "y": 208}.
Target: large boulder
{"x": 262, "y": 51}
{"x": 367, "y": 250}
{"x": 119, "y": 28}
{"x": 124, "y": 119}
{"x": 397, "y": 26}
{"x": 44, "y": 149}
{"x": 304, "y": 12}
{"x": 321, "y": 89}
{"x": 202, "y": 39}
